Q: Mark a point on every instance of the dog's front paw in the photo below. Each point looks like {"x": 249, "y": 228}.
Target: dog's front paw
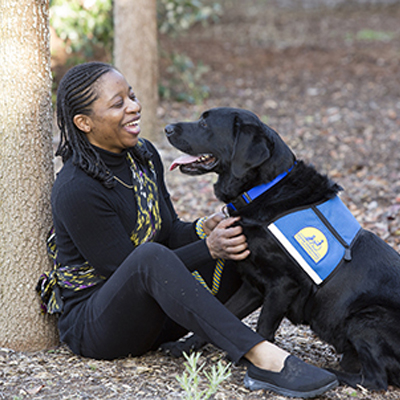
{"x": 187, "y": 345}
{"x": 350, "y": 362}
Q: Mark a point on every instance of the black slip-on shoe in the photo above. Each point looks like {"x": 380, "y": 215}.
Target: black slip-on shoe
{"x": 297, "y": 379}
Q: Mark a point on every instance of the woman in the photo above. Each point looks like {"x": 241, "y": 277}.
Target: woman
{"x": 122, "y": 282}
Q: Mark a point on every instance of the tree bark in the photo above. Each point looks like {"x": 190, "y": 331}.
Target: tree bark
{"x": 26, "y": 171}
{"x": 136, "y": 56}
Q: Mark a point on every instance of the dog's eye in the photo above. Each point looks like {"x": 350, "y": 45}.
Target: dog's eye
{"x": 203, "y": 123}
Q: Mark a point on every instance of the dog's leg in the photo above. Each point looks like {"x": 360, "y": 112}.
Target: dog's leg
{"x": 242, "y": 303}
{"x": 349, "y": 361}
{"x": 279, "y": 296}
{"x": 375, "y": 345}
{"x": 374, "y": 361}
{"x": 268, "y": 323}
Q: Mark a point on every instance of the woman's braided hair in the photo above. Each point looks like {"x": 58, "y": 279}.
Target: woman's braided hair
{"x": 76, "y": 93}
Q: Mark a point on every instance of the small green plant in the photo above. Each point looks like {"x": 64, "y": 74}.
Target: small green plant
{"x": 371, "y": 35}
{"x": 190, "y": 379}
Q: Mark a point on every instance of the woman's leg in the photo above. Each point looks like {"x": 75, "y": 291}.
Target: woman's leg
{"x": 127, "y": 314}
{"x": 230, "y": 283}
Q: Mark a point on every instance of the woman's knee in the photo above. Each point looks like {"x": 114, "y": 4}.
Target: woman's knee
{"x": 151, "y": 252}
{"x": 150, "y": 263}
{"x": 152, "y": 257}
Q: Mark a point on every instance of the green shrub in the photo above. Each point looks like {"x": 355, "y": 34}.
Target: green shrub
{"x": 179, "y": 15}
{"x": 184, "y": 81}
{"x": 83, "y": 24}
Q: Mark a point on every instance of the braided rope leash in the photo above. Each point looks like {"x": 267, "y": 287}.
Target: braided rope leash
{"x": 219, "y": 264}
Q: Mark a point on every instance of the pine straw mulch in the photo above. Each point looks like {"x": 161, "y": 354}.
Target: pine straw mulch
{"x": 334, "y": 95}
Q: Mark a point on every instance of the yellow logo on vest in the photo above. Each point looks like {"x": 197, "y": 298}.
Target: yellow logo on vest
{"x": 314, "y": 243}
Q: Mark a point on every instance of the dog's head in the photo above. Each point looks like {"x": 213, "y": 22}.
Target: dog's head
{"x": 233, "y": 143}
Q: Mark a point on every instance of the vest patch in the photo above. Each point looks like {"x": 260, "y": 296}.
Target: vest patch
{"x": 318, "y": 238}
{"x": 314, "y": 243}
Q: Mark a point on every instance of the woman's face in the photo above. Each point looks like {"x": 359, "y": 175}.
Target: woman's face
{"x": 114, "y": 122}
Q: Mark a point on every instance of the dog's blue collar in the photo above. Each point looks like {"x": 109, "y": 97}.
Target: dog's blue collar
{"x": 247, "y": 197}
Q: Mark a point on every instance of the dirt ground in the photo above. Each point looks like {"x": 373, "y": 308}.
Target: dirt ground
{"x": 325, "y": 74}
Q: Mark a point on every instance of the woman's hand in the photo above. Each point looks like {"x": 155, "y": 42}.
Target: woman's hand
{"x": 227, "y": 241}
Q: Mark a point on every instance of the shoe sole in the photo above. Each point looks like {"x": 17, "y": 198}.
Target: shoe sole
{"x": 254, "y": 384}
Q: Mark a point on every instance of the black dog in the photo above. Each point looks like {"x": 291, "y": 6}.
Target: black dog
{"x": 355, "y": 307}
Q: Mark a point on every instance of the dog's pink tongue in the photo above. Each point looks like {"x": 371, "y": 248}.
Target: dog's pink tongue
{"x": 186, "y": 159}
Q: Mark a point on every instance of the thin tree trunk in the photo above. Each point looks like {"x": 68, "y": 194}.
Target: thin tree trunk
{"x": 26, "y": 171}
{"x": 136, "y": 56}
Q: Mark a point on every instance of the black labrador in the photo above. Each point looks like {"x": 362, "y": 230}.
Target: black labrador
{"x": 355, "y": 306}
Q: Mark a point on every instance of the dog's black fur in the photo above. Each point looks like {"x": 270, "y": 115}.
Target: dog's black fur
{"x": 357, "y": 310}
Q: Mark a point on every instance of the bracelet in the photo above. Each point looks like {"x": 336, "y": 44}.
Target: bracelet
{"x": 200, "y": 228}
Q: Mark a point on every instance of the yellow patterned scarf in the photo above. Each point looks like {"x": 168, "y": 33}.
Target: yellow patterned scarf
{"x": 148, "y": 210}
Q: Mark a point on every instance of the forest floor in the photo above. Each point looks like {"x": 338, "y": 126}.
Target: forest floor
{"x": 327, "y": 78}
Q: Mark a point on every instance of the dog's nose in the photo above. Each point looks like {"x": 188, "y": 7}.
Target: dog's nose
{"x": 169, "y": 130}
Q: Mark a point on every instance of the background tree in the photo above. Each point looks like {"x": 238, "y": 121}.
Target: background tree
{"x": 136, "y": 55}
{"x": 85, "y": 31}
{"x": 26, "y": 171}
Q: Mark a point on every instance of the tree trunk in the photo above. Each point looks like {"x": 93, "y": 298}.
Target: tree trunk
{"x": 136, "y": 56}
{"x": 26, "y": 171}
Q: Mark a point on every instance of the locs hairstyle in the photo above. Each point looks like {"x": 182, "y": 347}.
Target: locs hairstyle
{"x": 76, "y": 93}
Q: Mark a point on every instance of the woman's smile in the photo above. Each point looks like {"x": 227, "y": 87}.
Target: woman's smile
{"x": 133, "y": 127}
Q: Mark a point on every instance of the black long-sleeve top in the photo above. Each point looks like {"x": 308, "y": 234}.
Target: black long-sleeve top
{"x": 94, "y": 224}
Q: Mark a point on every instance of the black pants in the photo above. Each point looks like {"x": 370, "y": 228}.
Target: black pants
{"x": 152, "y": 298}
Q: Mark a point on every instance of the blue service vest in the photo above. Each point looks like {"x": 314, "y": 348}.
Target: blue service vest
{"x": 318, "y": 238}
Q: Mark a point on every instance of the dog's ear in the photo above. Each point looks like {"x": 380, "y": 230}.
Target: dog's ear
{"x": 250, "y": 147}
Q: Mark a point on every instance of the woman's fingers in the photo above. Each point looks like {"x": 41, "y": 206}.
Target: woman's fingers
{"x": 239, "y": 256}
{"x": 237, "y": 244}
{"x": 227, "y": 222}
{"x": 233, "y": 253}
